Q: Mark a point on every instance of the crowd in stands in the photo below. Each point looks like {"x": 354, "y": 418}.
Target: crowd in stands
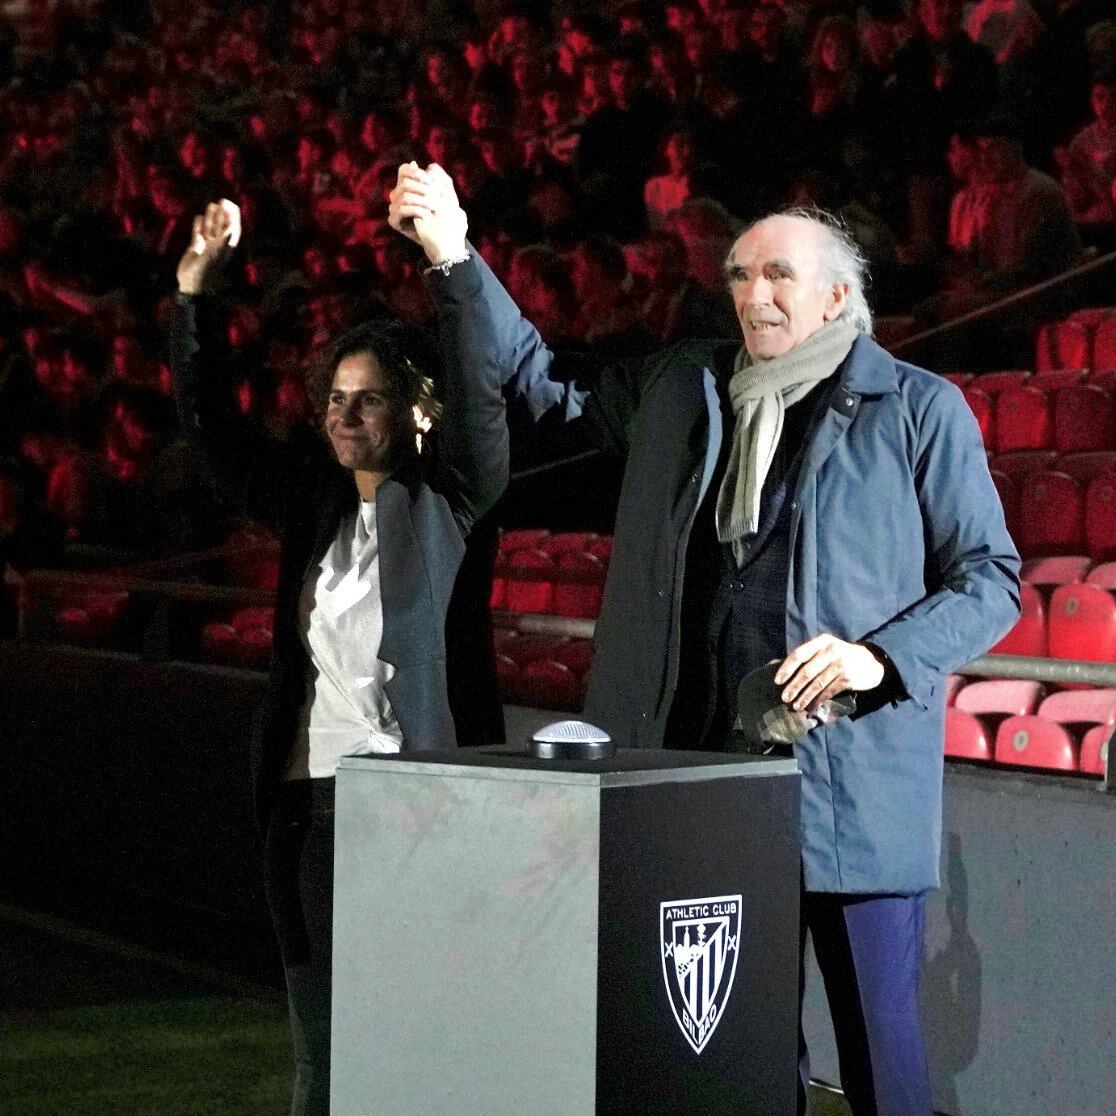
{"x": 606, "y": 160}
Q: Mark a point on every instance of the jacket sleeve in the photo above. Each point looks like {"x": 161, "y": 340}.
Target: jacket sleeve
{"x": 254, "y": 471}
{"x": 474, "y": 455}
{"x": 974, "y": 563}
{"x": 480, "y": 328}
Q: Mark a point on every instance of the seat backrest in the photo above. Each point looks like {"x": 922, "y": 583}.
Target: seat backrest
{"x": 1023, "y": 419}
{"x": 1058, "y": 569}
{"x": 1103, "y": 575}
{"x": 966, "y": 737}
{"x": 1028, "y": 637}
{"x": 1082, "y": 624}
{"x": 1094, "y": 749}
{"x": 1084, "y": 419}
{"x": 980, "y": 403}
{"x": 992, "y": 383}
{"x": 1034, "y": 742}
{"x": 1062, "y": 345}
{"x": 1085, "y": 466}
{"x": 1051, "y": 515}
{"x": 999, "y": 695}
{"x": 1080, "y": 707}
{"x": 1100, "y": 516}
{"x": 1104, "y": 344}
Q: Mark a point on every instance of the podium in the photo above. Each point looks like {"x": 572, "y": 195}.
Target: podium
{"x": 514, "y": 936}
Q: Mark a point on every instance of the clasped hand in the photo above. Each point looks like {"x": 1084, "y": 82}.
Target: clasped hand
{"x": 423, "y": 206}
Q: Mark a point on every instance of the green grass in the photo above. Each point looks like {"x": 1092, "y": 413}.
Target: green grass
{"x": 182, "y": 1056}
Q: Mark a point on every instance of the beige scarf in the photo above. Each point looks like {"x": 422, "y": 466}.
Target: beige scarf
{"x": 760, "y": 392}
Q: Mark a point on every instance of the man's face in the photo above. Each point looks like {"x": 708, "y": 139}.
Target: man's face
{"x": 775, "y": 278}
{"x": 623, "y": 80}
{"x": 1102, "y": 98}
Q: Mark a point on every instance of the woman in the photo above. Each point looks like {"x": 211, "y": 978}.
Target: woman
{"x": 372, "y": 533}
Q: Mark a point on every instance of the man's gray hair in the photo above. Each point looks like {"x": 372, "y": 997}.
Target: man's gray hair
{"x": 842, "y": 261}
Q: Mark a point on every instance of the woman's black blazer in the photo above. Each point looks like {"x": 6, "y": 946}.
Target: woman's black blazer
{"x": 422, "y": 518}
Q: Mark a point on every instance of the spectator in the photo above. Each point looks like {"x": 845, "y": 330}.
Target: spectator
{"x": 607, "y": 317}
{"x": 1007, "y": 29}
{"x": 669, "y": 190}
{"x": 1089, "y": 170}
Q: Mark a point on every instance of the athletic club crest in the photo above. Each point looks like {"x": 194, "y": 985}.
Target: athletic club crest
{"x": 699, "y": 940}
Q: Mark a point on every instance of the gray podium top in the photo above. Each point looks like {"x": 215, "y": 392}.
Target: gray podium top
{"x": 627, "y": 768}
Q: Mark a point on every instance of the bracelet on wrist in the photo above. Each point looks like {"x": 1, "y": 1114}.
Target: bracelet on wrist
{"x": 446, "y": 264}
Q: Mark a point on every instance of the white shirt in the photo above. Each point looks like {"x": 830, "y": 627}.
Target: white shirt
{"x": 341, "y": 624}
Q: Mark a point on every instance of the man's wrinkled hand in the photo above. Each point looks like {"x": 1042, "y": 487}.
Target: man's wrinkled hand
{"x": 215, "y": 233}
{"x": 423, "y": 207}
{"x": 822, "y": 668}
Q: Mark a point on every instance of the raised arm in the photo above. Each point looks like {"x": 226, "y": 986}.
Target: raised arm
{"x": 253, "y": 470}
{"x": 481, "y": 329}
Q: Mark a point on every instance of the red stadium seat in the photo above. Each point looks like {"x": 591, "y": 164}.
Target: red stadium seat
{"x": 546, "y": 684}
{"x": 961, "y": 379}
{"x": 526, "y": 539}
{"x": 1104, "y": 344}
{"x": 1058, "y": 378}
{"x": 1023, "y": 420}
{"x": 566, "y": 542}
{"x": 1103, "y": 576}
{"x": 992, "y": 383}
{"x": 218, "y": 641}
{"x": 966, "y": 737}
{"x": 252, "y": 557}
{"x": 253, "y": 645}
{"x": 1094, "y": 749}
{"x": 983, "y": 408}
{"x": 501, "y": 637}
{"x": 583, "y": 597}
{"x": 1064, "y": 569}
{"x": 527, "y": 648}
{"x": 521, "y": 594}
{"x": 1028, "y": 637}
{"x": 999, "y": 695}
{"x": 600, "y": 547}
{"x": 1085, "y": 466}
{"x": 1051, "y": 515}
{"x": 498, "y": 598}
{"x": 577, "y": 654}
{"x": 1035, "y": 742}
{"x": 1104, "y": 378}
{"x": 1062, "y": 345}
{"x": 1022, "y": 462}
{"x": 1008, "y": 490}
{"x": 1082, "y": 624}
{"x": 255, "y": 616}
{"x": 1100, "y": 516}
{"x": 1080, "y": 707}
{"x": 1084, "y": 419}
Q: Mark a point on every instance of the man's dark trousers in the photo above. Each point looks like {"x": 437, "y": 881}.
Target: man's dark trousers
{"x": 869, "y": 951}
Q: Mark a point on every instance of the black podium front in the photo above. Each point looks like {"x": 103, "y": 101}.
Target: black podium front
{"x": 512, "y": 936}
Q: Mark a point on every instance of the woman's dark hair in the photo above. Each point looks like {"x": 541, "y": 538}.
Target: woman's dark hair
{"x": 404, "y": 353}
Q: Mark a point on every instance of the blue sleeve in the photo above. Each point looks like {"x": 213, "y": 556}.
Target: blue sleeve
{"x": 977, "y": 600}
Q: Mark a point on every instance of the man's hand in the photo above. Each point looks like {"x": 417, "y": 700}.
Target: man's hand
{"x": 424, "y": 207}
{"x": 216, "y": 232}
{"x": 824, "y": 667}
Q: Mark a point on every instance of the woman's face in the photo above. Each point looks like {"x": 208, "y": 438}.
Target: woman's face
{"x": 364, "y": 415}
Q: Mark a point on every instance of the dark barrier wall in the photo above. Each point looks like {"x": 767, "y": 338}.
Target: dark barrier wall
{"x": 127, "y": 778}
{"x": 1018, "y": 988}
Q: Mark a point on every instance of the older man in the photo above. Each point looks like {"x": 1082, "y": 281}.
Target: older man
{"x": 804, "y": 498}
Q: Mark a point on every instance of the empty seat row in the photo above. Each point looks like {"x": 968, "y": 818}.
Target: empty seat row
{"x": 1078, "y": 623}
{"x": 1028, "y": 741}
{"x": 563, "y": 584}
{"x": 1074, "y": 419}
{"x": 1050, "y": 513}
{"x": 1082, "y": 466}
{"x": 1085, "y": 339}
